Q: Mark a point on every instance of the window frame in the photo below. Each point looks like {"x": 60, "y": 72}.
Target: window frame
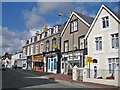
{"x": 73, "y": 23}
{"x": 79, "y": 42}
{"x": 53, "y": 43}
{"x": 113, "y": 62}
{"x": 115, "y": 43}
{"x": 47, "y": 46}
{"x": 66, "y": 41}
{"x": 106, "y": 22}
{"x": 98, "y": 43}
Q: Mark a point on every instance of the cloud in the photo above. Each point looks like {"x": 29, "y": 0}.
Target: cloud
{"x": 12, "y": 41}
{"x": 35, "y": 18}
{"x": 88, "y": 8}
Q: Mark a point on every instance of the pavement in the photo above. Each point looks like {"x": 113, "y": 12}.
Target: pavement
{"x": 68, "y": 79}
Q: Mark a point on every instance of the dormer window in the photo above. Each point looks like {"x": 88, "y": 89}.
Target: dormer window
{"x": 52, "y": 31}
{"x": 27, "y": 42}
{"x": 45, "y": 34}
{"x": 55, "y": 29}
{"x": 40, "y": 36}
{"x": 31, "y": 40}
{"x": 35, "y": 38}
{"x": 105, "y": 22}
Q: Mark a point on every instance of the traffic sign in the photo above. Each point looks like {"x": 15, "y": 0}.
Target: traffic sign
{"x": 89, "y": 59}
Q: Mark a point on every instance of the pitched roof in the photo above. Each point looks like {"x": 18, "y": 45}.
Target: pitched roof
{"x": 84, "y": 18}
{"x": 116, "y": 16}
{"x": 88, "y": 19}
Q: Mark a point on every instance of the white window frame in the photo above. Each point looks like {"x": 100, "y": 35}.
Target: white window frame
{"x": 74, "y": 26}
{"x": 106, "y": 20}
{"x": 36, "y": 48}
{"x": 47, "y": 46}
{"x": 81, "y": 43}
{"x": 115, "y": 42}
{"x": 66, "y": 46}
{"x": 113, "y": 62}
{"x": 98, "y": 45}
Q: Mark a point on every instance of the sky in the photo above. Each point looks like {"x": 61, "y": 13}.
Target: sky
{"x": 21, "y": 19}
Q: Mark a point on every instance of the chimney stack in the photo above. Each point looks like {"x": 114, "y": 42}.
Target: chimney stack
{"x": 45, "y": 28}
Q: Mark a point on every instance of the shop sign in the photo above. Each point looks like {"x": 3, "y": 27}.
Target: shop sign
{"x": 39, "y": 57}
{"x": 75, "y": 57}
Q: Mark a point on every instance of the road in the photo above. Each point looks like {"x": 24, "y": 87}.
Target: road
{"x": 24, "y": 79}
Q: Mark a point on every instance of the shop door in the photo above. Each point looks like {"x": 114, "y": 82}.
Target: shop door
{"x": 48, "y": 64}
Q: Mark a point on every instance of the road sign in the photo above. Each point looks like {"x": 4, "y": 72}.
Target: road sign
{"x": 89, "y": 59}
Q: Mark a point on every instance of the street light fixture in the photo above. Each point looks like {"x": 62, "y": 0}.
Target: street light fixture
{"x": 61, "y": 14}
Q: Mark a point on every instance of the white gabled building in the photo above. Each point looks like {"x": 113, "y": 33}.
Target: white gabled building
{"x": 103, "y": 44}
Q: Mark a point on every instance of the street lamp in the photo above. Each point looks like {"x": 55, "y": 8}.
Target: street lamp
{"x": 61, "y": 14}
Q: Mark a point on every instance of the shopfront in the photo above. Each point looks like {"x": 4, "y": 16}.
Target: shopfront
{"x": 51, "y": 62}
{"x": 68, "y": 62}
{"x": 38, "y": 64}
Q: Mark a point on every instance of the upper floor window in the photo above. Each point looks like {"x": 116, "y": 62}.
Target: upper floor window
{"x": 115, "y": 40}
{"x": 52, "y": 31}
{"x": 25, "y": 51}
{"x": 36, "y": 50}
{"x": 55, "y": 29}
{"x": 31, "y": 40}
{"x": 98, "y": 41}
{"x": 66, "y": 46}
{"x": 47, "y": 45}
{"x": 105, "y": 22}
{"x": 40, "y": 36}
{"x": 45, "y": 34}
{"x": 41, "y": 48}
{"x": 27, "y": 42}
{"x": 81, "y": 42}
{"x": 53, "y": 44}
{"x": 74, "y": 25}
{"x": 35, "y": 38}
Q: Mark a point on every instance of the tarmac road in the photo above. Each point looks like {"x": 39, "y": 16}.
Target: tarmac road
{"x": 20, "y": 79}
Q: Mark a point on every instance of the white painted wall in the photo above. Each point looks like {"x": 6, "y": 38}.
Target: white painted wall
{"x": 107, "y": 51}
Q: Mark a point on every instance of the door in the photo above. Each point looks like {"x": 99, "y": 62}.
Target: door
{"x": 48, "y": 65}
{"x": 52, "y": 65}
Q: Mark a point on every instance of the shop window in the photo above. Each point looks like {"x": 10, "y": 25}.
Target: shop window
{"x": 55, "y": 63}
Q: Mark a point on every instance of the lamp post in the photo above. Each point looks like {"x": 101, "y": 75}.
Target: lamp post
{"x": 61, "y": 14}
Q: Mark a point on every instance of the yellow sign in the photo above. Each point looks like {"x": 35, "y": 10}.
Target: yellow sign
{"x": 89, "y": 59}
{"x": 32, "y": 56}
{"x": 54, "y": 46}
